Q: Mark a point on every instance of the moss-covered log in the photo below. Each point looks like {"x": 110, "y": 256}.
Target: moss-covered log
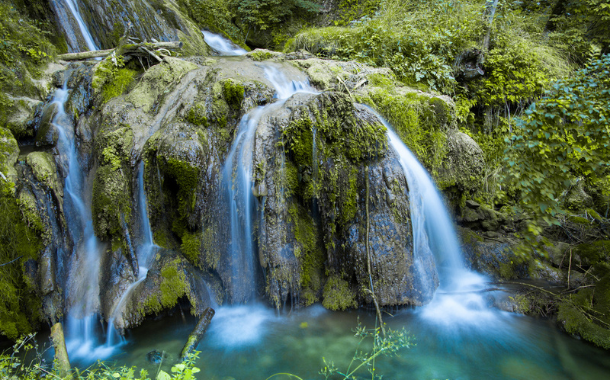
{"x": 197, "y": 334}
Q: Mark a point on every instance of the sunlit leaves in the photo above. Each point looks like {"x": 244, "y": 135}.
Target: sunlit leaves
{"x": 564, "y": 136}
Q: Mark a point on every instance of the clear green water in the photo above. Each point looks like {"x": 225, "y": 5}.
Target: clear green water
{"x": 252, "y": 342}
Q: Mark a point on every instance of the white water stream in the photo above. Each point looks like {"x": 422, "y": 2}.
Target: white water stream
{"x": 145, "y": 252}
{"x": 222, "y": 45}
{"x": 458, "y": 300}
{"x": 237, "y": 182}
{"x": 82, "y": 295}
{"x": 73, "y": 6}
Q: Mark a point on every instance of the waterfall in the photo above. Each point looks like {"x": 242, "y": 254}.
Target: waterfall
{"x": 458, "y": 299}
{"x": 145, "y": 252}
{"x": 237, "y": 182}
{"x": 222, "y": 45}
{"x": 83, "y": 283}
{"x": 73, "y": 6}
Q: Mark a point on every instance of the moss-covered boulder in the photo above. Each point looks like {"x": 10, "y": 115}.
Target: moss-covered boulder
{"x": 9, "y": 151}
{"x": 150, "y": 91}
{"x": 494, "y": 257}
{"x": 335, "y": 159}
{"x": 169, "y": 281}
{"x": 112, "y": 186}
{"x": 462, "y": 170}
{"x": 45, "y": 170}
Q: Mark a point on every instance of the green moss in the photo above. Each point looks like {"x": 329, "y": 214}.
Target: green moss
{"x": 417, "y": 119}
{"x": 595, "y": 252}
{"x": 309, "y": 251}
{"x": 262, "y": 55}
{"x": 578, "y": 220}
{"x": 20, "y": 307}
{"x": 379, "y": 80}
{"x": 191, "y": 247}
{"x": 349, "y": 205}
{"x": 470, "y": 237}
{"x": 233, "y": 92}
{"x": 118, "y": 85}
{"x": 187, "y": 178}
{"x": 220, "y": 110}
{"x": 198, "y": 115}
{"x": 338, "y": 133}
{"x": 111, "y": 203}
{"x": 160, "y": 239}
{"x": 211, "y": 254}
{"x": 44, "y": 169}
{"x": 338, "y": 295}
{"x": 174, "y": 285}
{"x": 30, "y": 211}
{"x": 575, "y": 322}
{"x": 154, "y": 84}
{"x": 594, "y": 214}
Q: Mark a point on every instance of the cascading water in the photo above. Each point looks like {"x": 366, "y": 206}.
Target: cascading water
{"x": 145, "y": 252}
{"x": 221, "y": 44}
{"x": 73, "y": 6}
{"x": 237, "y": 181}
{"x": 83, "y": 285}
{"x": 458, "y": 299}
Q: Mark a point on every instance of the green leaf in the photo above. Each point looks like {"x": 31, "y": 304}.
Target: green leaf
{"x": 163, "y": 376}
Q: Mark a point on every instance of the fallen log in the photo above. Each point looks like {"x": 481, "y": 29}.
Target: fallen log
{"x": 61, "y": 354}
{"x": 142, "y": 49}
{"x": 197, "y": 333}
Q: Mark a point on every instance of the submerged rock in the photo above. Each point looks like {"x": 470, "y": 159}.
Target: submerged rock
{"x": 156, "y": 357}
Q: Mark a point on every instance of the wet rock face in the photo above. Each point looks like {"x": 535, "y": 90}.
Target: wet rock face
{"x": 108, "y": 21}
{"x": 463, "y": 168}
{"x": 331, "y": 198}
{"x": 335, "y": 157}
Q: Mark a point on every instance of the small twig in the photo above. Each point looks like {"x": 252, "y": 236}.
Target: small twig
{"x": 161, "y": 362}
{"x": 10, "y": 262}
{"x": 569, "y": 268}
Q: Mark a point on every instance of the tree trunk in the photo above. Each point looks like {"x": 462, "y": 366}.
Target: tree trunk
{"x": 143, "y": 49}
{"x": 61, "y": 354}
{"x": 197, "y": 333}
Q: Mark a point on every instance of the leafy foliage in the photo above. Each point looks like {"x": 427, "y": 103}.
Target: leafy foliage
{"x": 216, "y": 15}
{"x": 265, "y": 14}
{"x": 25, "y": 361}
{"x": 562, "y": 137}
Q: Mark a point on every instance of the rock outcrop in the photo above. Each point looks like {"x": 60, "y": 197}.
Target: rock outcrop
{"x": 332, "y": 215}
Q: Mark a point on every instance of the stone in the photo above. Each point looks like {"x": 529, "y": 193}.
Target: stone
{"x": 464, "y": 164}
{"x": 156, "y": 356}
{"x": 472, "y": 204}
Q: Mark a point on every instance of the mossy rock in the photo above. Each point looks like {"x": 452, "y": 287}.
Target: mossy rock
{"x": 44, "y": 169}
{"x": 157, "y": 80}
{"x": 111, "y": 202}
{"x": 594, "y": 253}
{"x": 233, "y": 92}
{"x": 575, "y": 322}
{"x": 263, "y": 55}
{"x": 9, "y": 152}
{"x": 169, "y": 281}
{"x": 338, "y": 295}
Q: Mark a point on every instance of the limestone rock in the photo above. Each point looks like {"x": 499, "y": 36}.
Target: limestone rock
{"x": 464, "y": 164}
